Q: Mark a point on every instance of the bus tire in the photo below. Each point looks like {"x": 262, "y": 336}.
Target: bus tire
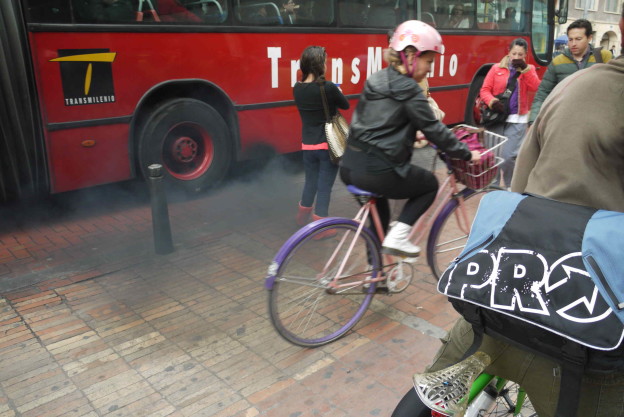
{"x": 190, "y": 139}
{"x": 472, "y": 112}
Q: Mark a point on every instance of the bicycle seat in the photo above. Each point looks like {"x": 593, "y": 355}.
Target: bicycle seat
{"x": 359, "y": 192}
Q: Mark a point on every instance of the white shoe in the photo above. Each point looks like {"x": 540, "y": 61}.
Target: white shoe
{"x": 396, "y": 242}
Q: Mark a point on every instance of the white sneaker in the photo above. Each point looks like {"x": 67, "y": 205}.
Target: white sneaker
{"x": 396, "y": 242}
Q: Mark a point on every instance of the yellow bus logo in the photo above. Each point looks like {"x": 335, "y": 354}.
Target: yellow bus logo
{"x": 94, "y": 67}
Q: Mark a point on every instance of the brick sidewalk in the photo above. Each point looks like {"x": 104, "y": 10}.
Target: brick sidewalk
{"x": 94, "y": 324}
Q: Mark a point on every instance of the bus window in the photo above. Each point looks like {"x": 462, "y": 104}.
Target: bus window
{"x": 541, "y": 38}
{"x": 48, "y": 11}
{"x": 259, "y": 13}
{"x": 352, "y": 12}
{"x": 210, "y": 11}
{"x": 455, "y": 15}
{"x": 103, "y": 11}
{"x": 381, "y": 14}
{"x": 502, "y": 15}
{"x": 487, "y": 15}
{"x": 286, "y": 12}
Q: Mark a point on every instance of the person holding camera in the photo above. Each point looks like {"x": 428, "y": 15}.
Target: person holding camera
{"x": 506, "y": 90}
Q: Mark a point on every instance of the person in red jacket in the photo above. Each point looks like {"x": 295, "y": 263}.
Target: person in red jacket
{"x": 496, "y": 82}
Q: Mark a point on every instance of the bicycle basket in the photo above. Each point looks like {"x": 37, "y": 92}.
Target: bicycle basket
{"x": 477, "y": 175}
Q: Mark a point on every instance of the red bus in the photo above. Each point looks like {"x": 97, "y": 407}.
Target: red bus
{"x": 94, "y": 91}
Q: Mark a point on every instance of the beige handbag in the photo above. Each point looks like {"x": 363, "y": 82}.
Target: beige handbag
{"x": 336, "y": 131}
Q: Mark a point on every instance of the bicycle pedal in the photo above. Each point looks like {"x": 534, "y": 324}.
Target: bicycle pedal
{"x": 380, "y": 288}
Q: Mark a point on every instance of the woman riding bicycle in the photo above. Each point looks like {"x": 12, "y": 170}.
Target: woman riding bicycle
{"x": 391, "y": 109}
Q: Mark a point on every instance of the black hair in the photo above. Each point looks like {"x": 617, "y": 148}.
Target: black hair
{"x": 581, "y": 24}
{"x": 313, "y": 62}
{"x": 520, "y": 42}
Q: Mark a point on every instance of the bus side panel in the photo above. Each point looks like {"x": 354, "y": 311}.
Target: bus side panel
{"x": 258, "y": 125}
{"x": 85, "y": 157}
{"x": 454, "y": 112}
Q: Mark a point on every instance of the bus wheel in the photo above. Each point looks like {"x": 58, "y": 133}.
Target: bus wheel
{"x": 190, "y": 140}
{"x": 472, "y": 115}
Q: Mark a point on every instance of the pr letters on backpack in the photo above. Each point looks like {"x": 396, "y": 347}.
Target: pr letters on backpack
{"x": 530, "y": 266}
{"x": 559, "y": 296}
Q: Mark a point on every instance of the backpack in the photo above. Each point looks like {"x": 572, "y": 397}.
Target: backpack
{"x": 545, "y": 276}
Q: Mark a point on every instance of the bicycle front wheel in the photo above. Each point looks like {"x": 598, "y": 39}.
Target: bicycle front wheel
{"x": 317, "y": 293}
{"x": 451, "y": 228}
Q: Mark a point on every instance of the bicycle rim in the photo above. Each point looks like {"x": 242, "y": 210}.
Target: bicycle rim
{"x": 449, "y": 233}
{"x": 506, "y": 400}
{"x": 303, "y": 307}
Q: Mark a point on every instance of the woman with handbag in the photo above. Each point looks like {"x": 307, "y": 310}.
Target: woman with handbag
{"x": 320, "y": 171}
{"x": 391, "y": 109}
{"x": 506, "y": 91}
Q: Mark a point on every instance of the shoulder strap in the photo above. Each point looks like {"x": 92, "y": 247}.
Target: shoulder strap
{"x": 598, "y": 54}
{"x": 511, "y": 84}
{"x": 325, "y": 105}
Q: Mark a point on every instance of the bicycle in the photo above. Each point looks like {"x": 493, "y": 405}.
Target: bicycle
{"x": 465, "y": 390}
{"x": 320, "y": 288}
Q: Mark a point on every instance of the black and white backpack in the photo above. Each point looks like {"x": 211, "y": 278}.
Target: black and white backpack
{"x": 548, "y": 277}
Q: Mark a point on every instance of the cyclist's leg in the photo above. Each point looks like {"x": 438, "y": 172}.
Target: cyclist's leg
{"x": 602, "y": 395}
{"x": 369, "y": 183}
{"x": 326, "y": 177}
{"x": 534, "y": 373}
{"x": 310, "y": 184}
{"x": 454, "y": 345}
{"x": 419, "y": 187}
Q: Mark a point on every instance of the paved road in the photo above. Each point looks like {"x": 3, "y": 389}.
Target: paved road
{"x": 93, "y": 323}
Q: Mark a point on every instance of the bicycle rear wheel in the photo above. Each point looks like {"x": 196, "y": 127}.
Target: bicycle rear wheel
{"x": 450, "y": 230}
{"x": 506, "y": 401}
{"x": 303, "y": 305}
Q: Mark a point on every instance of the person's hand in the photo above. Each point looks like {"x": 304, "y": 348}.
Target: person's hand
{"x": 476, "y": 156}
{"x": 498, "y": 107}
{"x": 519, "y": 64}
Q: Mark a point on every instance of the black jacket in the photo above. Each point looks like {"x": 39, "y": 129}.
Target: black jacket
{"x": 310, "y": 105}
{"x": 391, "y": 109}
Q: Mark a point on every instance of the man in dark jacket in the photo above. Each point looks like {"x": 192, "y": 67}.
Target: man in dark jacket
{"x": 579, "y": 54}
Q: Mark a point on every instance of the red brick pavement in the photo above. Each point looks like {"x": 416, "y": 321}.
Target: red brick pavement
{"x": 93, "y": 323}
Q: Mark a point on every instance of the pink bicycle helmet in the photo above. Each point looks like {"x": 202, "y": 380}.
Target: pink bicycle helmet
{"x": 417, "y": 34}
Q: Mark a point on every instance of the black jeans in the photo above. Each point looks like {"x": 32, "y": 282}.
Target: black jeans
{"x": 419, "y": 187}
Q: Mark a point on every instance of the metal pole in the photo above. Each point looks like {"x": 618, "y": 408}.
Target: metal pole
{"x": 163, "y": 243}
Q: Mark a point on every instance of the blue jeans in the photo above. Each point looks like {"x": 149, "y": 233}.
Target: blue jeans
{"x": 320, "y": 174}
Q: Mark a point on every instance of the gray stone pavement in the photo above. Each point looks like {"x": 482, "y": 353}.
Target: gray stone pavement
{"x": 93, "y": 323}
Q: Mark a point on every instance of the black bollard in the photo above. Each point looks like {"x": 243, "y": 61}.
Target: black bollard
{"x": 160, "y": 213}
